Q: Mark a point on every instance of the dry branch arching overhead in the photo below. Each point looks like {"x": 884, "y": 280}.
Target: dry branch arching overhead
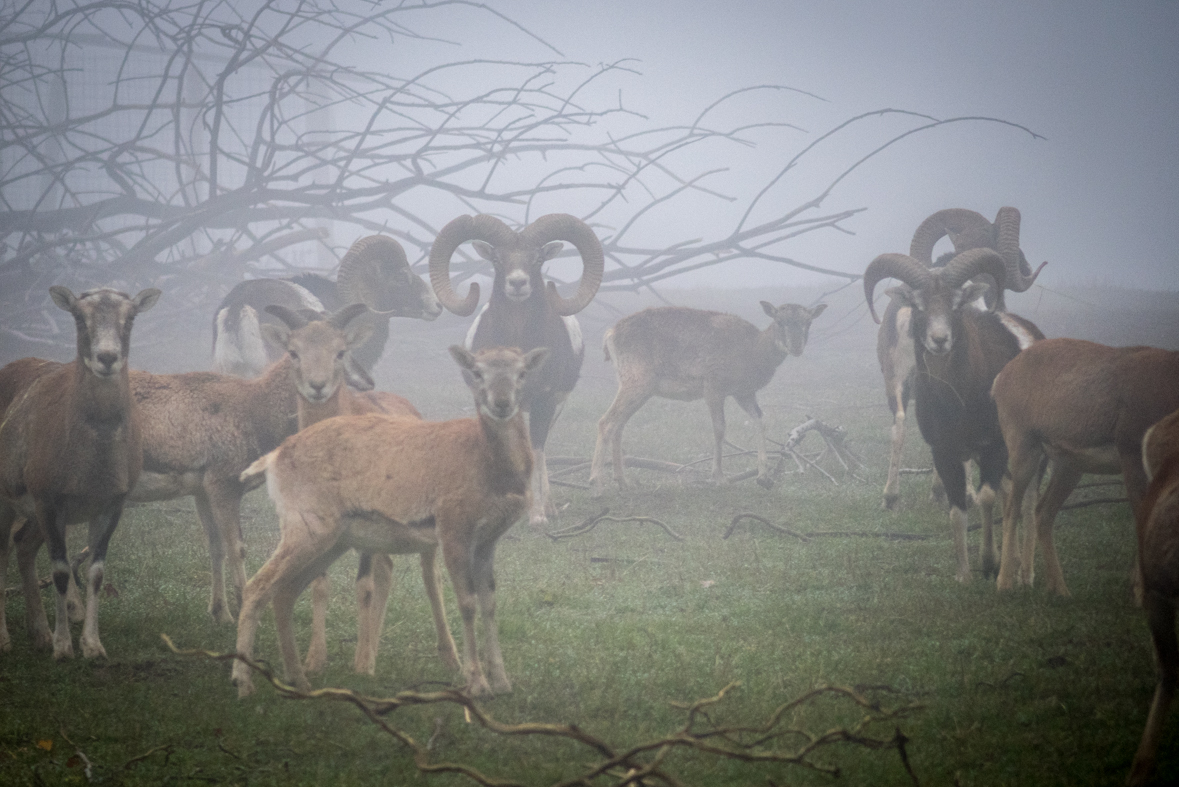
{"x": 177, "y": 144}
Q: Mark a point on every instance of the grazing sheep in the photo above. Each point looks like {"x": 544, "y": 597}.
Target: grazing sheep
{"x": 689, "y": 354}
{"x": 70, "y": 451}
{"x": 396, "y": 485}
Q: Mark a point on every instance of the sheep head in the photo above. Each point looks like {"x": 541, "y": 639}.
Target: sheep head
{"x": 320, "y": 347}
{"x": 936, "y": 296}
{"x": 518, "y": 258}
{"x": 496, "y": 376}
{"x": 792, "y": 325}
{"x": 376, "y": 272}
{"x": 103, "y": 318}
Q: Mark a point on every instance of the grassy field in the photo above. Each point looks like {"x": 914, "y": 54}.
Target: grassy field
{"x": 608, "y": 629}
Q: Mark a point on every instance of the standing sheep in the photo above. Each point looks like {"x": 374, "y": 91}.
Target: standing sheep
{"x": 70, "y": 451}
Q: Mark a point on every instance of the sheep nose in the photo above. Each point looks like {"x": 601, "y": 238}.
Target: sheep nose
{"x": 108, "y": 359}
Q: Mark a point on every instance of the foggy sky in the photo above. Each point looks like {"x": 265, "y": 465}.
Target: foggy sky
{"x": 1099, "y": 81}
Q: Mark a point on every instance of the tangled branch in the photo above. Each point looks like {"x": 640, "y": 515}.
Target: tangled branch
{"x": 768, "y": 742}
{"x": 586, "y": 525}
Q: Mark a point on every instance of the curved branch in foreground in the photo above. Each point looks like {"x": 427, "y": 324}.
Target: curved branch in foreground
{"x": 744, "y": 743}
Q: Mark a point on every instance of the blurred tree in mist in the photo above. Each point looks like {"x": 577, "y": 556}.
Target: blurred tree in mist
{"x": 186, "y": 144}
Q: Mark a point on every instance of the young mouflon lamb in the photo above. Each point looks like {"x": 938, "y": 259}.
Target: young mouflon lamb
{"x": 396, "y": 485}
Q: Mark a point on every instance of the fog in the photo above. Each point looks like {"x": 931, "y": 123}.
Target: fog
{"x": 1096, "y": 80}
{"x": 1065, "y": 111}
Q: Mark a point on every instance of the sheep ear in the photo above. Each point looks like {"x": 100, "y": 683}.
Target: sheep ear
{"x": 356, "y": 376}
{"x": 817, "y": 310}
{"x": 534, "y": 359}
{"x": 902, "y": 295}
{"x": 146, "y": 299}
{"x": 278, "y": 335}
{"x": 62, "y": 296}
{"x": 550, "y": 250}
{"x": 484, "y": 249}
{"x": 970, "y": 293}
{"x": 462, "y": 356}
{"x": 769, "y": 309}
{"x": 357, "y": 334}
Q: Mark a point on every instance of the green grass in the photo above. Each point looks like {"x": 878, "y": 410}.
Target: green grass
{"x": 606, "y": 630}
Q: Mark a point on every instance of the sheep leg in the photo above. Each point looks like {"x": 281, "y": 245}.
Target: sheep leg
{"x": 1064, "y": 477}
{"x": 992, "y": 467}
{"x": 1024, "y": 462}
{"x": 301, "y": 544}
{"x": 53, "y": 531}
{"x": 1160, "y": 615}
{"x": 317, "y": 650}
{"x": 28, "y": 540}
{"x": 541, "y": 416}
{"x": 716, "y": 409}
{"x": 7, "y": 517}
{"x": 892, "y": 486}
{"x": 485, "y": 588}
{"x": 102, "y": 527}
{"x": 457, "y": 554}
{"x": 1134, "y": 477}
{"x": 750, "y": 406}
{"x": 373, "y": 580}
{"x": 225, "y": 501}
{"x": 626, "y": 403}
{"x": 954, "y": 476}
{"x": 446, "y": 647}
{"x": 1027, "y": 564}
{"x": 216, "y": 543}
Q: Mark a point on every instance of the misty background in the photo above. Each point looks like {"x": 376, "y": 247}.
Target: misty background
{"x": 1064, "y": 111}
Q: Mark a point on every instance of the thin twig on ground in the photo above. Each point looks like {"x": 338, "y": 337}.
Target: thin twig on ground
{"x": 588, "y": 524}
{"x": 885, "y": 534}
{"x": 762, "y": 743}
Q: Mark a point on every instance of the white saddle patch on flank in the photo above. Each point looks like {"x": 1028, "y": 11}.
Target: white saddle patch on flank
{"x": 1021, "y": 334}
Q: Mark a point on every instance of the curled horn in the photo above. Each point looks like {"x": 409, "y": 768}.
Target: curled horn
{"x": 367, "y": 268}
{"x": 293, "y": 318}
{"x": 460, "y": 230}
{"x": 966, "y": 229}
{"x": 1019, "y": 273}
{"x": 562, "y": 226}
{"x": 340, "y": 319}
{"x": 896, "y": 266}
{"x": 974, "y": 262}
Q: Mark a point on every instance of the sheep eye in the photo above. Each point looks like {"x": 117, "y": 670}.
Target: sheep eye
{"x": 294, "y": 355}
{"x": 340, "y": 355}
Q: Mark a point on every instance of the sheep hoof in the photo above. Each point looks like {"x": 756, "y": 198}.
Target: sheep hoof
{"x": 765, "y": 482}
{"x": 477, "y": 687}
{"x": 93, "y": 649}
{"x": 221, "y": 613}
{"x": 890, "y": 502}
{"x": 62, "y": 650}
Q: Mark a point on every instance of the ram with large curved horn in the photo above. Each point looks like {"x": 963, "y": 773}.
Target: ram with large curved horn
{"x": 957, "y": 351}
{"x": 967, "y": 229}
{"x": 525, "y": 311}
{"x": 374, "y": 271}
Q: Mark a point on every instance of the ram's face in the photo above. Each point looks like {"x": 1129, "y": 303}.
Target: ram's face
{"x": 518, "y": 269}
{"x": 935, "y": 312}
